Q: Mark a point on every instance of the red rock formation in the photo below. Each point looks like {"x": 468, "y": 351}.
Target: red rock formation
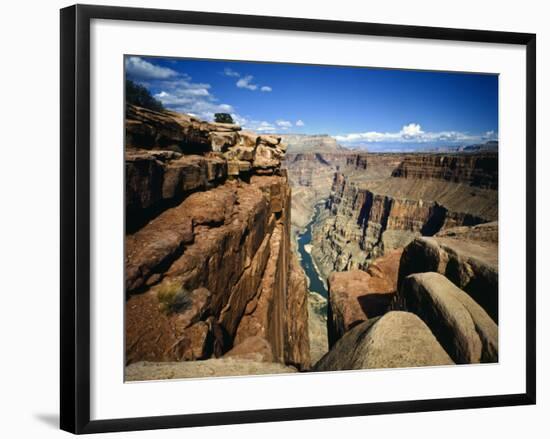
{"x": 211, "y": 270}
{"x": 355, "y": 296}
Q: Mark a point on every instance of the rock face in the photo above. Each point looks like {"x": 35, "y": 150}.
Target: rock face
{"x": 397, "y": 339}
{"x": 365, "y": 217}
{"x": 209, "y": 270}
{"x": 356, "y": 296}
{"x": 170, "y": 155}
{"x": 357, "y": 161}
{"x": 470, "y": 265}
{"x": 462, "y": 327}
{"x": 473, "y": 169}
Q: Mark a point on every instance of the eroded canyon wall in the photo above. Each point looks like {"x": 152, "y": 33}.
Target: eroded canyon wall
{"x": 365, "y": 216}
{"x": 209, "y": 269}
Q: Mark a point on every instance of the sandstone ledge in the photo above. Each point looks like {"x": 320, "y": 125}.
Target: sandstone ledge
{"x": 222, "y": 367}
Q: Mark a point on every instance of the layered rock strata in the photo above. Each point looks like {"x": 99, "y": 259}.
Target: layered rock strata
{"x": 473, "y": 169}
{"x": 365, "y": 218}
{"x": 170, "y": 155}
{"x": 209, "y": 268}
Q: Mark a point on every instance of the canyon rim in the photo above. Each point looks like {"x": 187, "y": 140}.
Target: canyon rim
{"x": 285, "y": 218}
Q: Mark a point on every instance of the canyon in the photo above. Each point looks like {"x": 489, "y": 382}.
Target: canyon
{"x": 253, "y": 253}
{"x": 367, "y": 214}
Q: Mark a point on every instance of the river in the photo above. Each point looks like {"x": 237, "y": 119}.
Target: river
{"x": 304, "y": 239}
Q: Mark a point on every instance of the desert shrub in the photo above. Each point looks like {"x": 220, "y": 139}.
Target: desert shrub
{"x": 137, "y": 94}
{"x": 223, "y": 118}
{"x": 173, "y": 297}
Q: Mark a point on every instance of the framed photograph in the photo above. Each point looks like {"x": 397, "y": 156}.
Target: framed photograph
{"x": 272, "y": 218}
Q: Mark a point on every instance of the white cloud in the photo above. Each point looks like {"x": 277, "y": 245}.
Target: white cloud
{"x": 185, "y": 96}
{"x": 265, "y": 127}
{"x": 178, "y": 92}
{"x": 284, "y": 124}
{"x": 413, "y": 133}
{"x": 260, "y": 126}
{"x": 490, "y": 135}
{"x": 300, "y": 123}
{"x": 231, "y": 73}
{"x": 246, "y": 82}
{"x": 411, "y": 130}
{"x": 138, "y": 68}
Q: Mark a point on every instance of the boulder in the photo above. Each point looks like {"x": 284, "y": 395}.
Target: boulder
{"x": 356, "y": 295}
{"x": 397, "y": 339}
{"x": 470, "y": 265}
{"x": 462, "y": 327}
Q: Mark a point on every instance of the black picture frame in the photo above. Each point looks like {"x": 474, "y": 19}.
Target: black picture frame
{"x": 75, "y": 217}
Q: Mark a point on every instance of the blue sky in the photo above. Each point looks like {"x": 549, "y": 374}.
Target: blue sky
{"x": 379, "y": 109}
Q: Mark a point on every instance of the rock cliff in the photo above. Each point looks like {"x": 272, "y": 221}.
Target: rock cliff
{"x": 209, "y": 269}
{"x": 365, "y": 216}
{"x": 473, "y": 169}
